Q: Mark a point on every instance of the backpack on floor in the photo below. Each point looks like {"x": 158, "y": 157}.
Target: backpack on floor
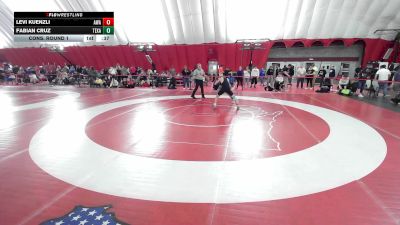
{"x": 346, "y": 92}
{"x": 268, "y": 88}
{"x": 323, "y": 89}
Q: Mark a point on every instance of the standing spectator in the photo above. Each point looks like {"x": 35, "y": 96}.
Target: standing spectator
{"x": 315, "y": 71}
{"x": 262, "y": 76}
{"x": 246, "y": 75}
{"x": 187, "y": 84}
{"x": 396, "y": 86}
{"x": 285, "y": 73}
{"x": 332, "y": 75}
{"x": 255, "y": 73}
{"x": 239, "y": 77}
{"x": 277, "y": 70}
{"x": 291, "y": 74}
{"x": 332, "y": 72}
{"x": 363, "y": 76}
{"x": 301, "y": 73}
{"x": 199, "y": 76}
{"x": 383, "y": 77}
{"x": 112, "y": 71}
{"x": 270, "y": 76}
{"x": 309, "y": 77}
{"x": 172, "y": 71}
{"x": 285, "y": 69}
{"x": 357, "y": 72}
{"x": 321, "y": 75}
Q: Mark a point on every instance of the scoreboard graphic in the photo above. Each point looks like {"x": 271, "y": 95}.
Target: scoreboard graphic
{"x": 63, "y": 26}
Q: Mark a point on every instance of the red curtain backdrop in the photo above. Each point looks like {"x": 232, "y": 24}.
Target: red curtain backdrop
{"x": 229, "y": 54}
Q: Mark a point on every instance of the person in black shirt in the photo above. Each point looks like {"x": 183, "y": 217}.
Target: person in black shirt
{"x": 332, "y": 72}
{"x": 321, "y": 75}
{"x": 226, "y": 72}
{"x": 285, "y": 68}
{"x": 239, "y": 77}
{"x": 222, "y": 86}
{"x": 363, "y": 77}
{"x": 309, "y": 77}
{"x": 270, "y": 75}
{"x": 291, "y": 74}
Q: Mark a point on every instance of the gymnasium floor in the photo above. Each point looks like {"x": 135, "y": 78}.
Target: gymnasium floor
{"x": 158, "y": 157}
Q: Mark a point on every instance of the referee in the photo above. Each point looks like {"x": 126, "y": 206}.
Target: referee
{"x": 198, "y": 75}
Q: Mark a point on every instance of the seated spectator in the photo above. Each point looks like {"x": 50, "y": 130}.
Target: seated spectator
{"x": 343, "y": 82}
{"x": 71, "y": 69}
{"x": 172, "y": 82}
{"x": 33, "y": 78}
{"x": 11, "y": 78}
{"x": 98, "y": 82}
{"x": 112, "y": 71}
{"x": 113, "y": 83}
{"x": 325, "y": 86}
{"x": 279, "y": 82}
{"x": 130, "y": 83}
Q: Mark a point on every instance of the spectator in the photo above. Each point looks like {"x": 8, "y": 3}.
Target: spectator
{"x": 239, "y": 77}
{"x": 71, "y": 69}
{"x": 246, "y": 75}
{"x": 262, "y": 76}
{"x": 112, "y": 71}
{"x": 172, "y": 81}
{"x": 363, "y": 76}
{"x": 396, "y": 86}
{"x": 321, "y": 75}
{"x": 277, "y": 69}
{"x": 291, "y": 74}
{"x": 279, "y": 81}
{"x": 270, "y": 75}
{"x": 301, "y": 73}
{"x": 255, "y": 73}
{"x": 187, "y": 84}
{"x": 383, "y": 76}
{"x": 309, "y": 77}
{"x": 172, "y": 71}
{"x": 332, "y": 72}
{"x": 114, "y": 83}
{"x": 343, "y": 82}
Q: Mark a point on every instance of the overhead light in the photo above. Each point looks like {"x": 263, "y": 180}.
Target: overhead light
{"x": 54, "y": 48}
{"x": 143, "y": 46}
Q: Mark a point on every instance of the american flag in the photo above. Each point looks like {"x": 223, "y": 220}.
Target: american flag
{"x": 81, "y": 215}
